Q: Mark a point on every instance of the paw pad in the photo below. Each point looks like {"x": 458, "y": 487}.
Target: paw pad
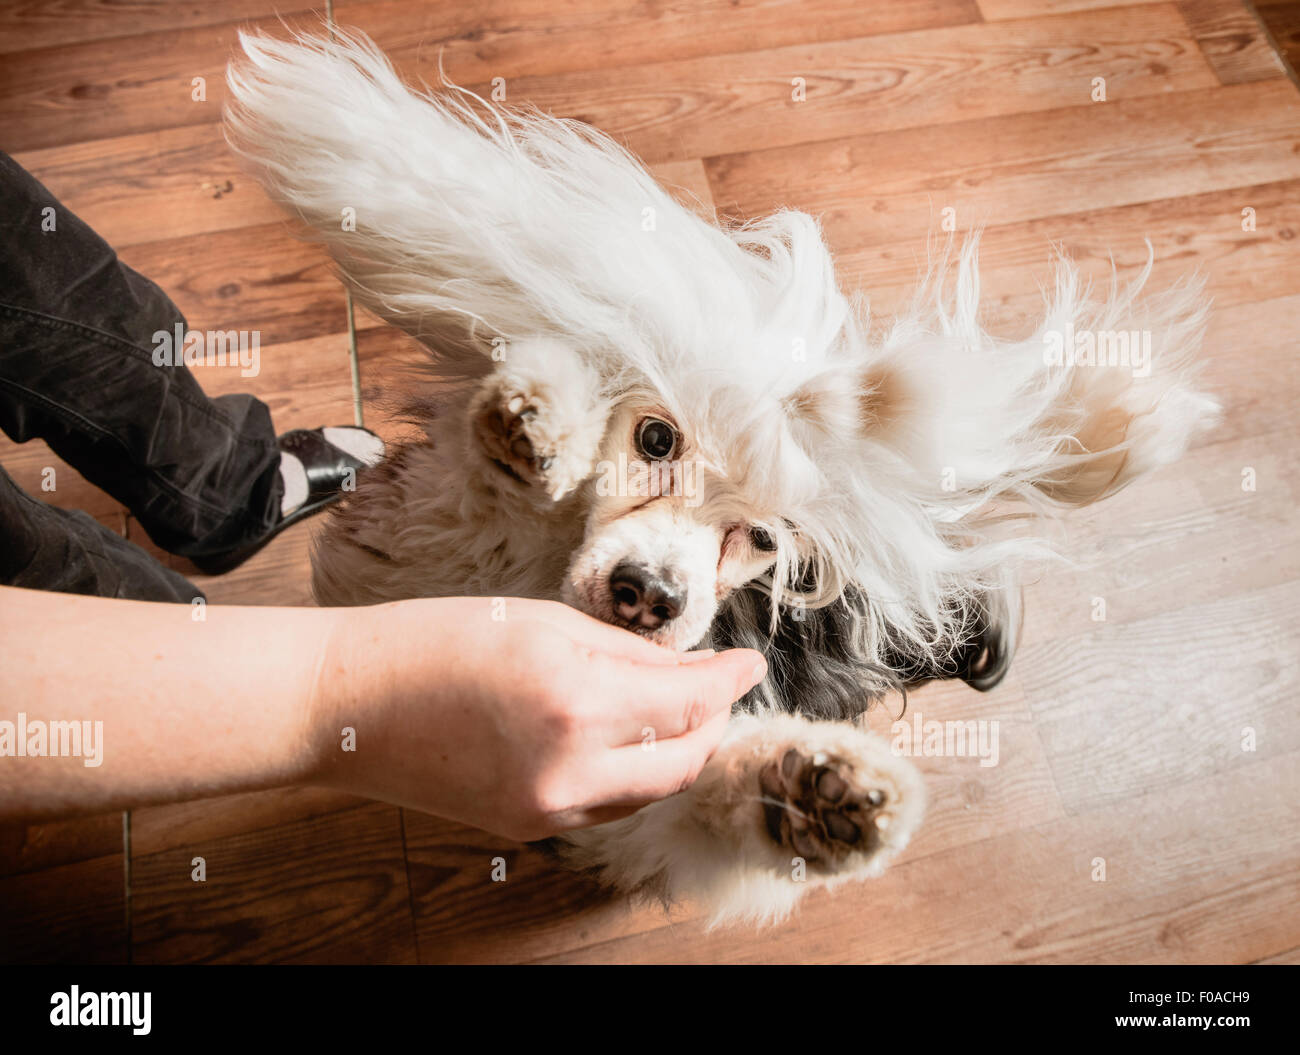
{"x": 815, "y": 806}
{"x": 504, "y": 432}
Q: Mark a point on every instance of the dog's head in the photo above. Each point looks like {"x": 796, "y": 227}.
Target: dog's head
{"x": 670, "y": 533}
{"x": 749, "y": 443}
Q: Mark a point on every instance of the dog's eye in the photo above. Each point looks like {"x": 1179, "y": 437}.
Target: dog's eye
{"x": 656, "y": 439}
{"x": 761, "y": 540}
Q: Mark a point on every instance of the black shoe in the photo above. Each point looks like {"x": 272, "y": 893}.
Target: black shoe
{"x": 328, "y": 469}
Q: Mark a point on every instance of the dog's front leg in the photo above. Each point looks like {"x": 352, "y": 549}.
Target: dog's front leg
{"x": 538, "y": 418}
{"x": 784, "y": 805}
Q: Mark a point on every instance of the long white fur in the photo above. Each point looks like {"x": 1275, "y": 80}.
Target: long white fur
{"x": 886, "y": 462}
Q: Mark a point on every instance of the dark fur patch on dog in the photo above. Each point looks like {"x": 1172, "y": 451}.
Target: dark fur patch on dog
{"x": 814, "y": 671}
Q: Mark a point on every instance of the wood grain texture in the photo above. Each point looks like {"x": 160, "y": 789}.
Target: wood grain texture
{"x": 1031, "y": 897}
{"x": 1232, "y": 40}
{"x": 65, "y": 93}
{"x": 155, "y": 829}
{"x": 1001, "y": 10}
{"x": 170, "y": 184}
{"x": 1179, "y": 537}
{"x": 516, "y": 38}
{"x": 876, "y": 189}
{"x": 725, "y": 104}
{"x": 1145, "y": 718}
{"x": 31, "y": 847}
{"x": 29, "y": 24}
{"x": 1282, "y": 19}
{"x": 1291, "y": 958}
{"x": 1195, "y": 234}
{"x": 531, "y": 908}
{"x": 254, "y": 278}
{"x": 71, "y": 913}
{"x": 62, "y": 891}
{"x": 51, "y": 96}
{"x": 1121, "y": 740}
{"x": 326, "y": 889}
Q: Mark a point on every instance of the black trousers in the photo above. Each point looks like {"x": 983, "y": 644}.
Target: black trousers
{"x": 77, "y": 370}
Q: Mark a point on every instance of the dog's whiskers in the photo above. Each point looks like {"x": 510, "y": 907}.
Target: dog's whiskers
{"x": 767, "y": 799}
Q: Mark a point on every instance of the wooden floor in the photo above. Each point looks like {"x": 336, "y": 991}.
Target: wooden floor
{"x": 1162, "y": 743}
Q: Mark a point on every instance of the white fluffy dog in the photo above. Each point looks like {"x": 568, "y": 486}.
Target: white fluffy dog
{"x": 690, "y": 431}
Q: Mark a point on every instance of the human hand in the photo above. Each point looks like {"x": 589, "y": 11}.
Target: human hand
{"x": 524, "y": 718}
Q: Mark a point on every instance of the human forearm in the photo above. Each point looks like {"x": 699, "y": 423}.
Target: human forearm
{"x": 524, "y": 718}
{"x": 192, "y": 703}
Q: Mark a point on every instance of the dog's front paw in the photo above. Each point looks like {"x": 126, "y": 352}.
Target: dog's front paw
{"x": 537, "y": 420}
{"x": 823, "y": 808}
{"x": 510, "y": 432}
{"x": 829, "y": 794}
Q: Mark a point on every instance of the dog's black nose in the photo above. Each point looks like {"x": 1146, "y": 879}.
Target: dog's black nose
{"x": 643, "y": 599}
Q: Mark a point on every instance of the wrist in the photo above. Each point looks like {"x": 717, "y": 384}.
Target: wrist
{"x": 331, "y": 692}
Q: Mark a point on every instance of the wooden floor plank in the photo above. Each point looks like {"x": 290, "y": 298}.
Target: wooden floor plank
{"x": 1002, "y": 10}
{"x": 155, "y": 829}
{"x": 515, "y": 38}
{"x": 1176, "y": 543}
{"x": 1131, "y": 708}
{"x": 465, "y": 915}
{"x": 326, "y": 889}
{"x": 1282, "y": 18}
{"x": 62, "y": 891}
{"x": 281, "y": 287}
{"x": 725, "y": 104}
{"x": 874, "y": 189}
{"x": 57, "y": 95}
{"x": 972, "y": 800}
{"x": 1232, "y": 39}
{"x": 1032, "y": 895}
{"x": 279, "y": 574}
{"x": 51, "y": 96}
{"x": 168, "y": 184}
{"x": 31, "y": 847}
{"x": 27, "y": 26}
{"x": 1291, "y": 958}
{"x": 1197, "y": 234}
{"x": 71, "y": 913}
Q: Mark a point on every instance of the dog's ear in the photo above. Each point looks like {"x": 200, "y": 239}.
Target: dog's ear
{"x": 980, "y": 419}
{"x": 409, "y": 195}
{"x": 988, "y": 628}
{"x": 461, "y": 221}
{"x": 814, "y": 668}
{"x": 883, "y": 398}
{"x": 836, "y": 402}
{"x": 869, "y": 402}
